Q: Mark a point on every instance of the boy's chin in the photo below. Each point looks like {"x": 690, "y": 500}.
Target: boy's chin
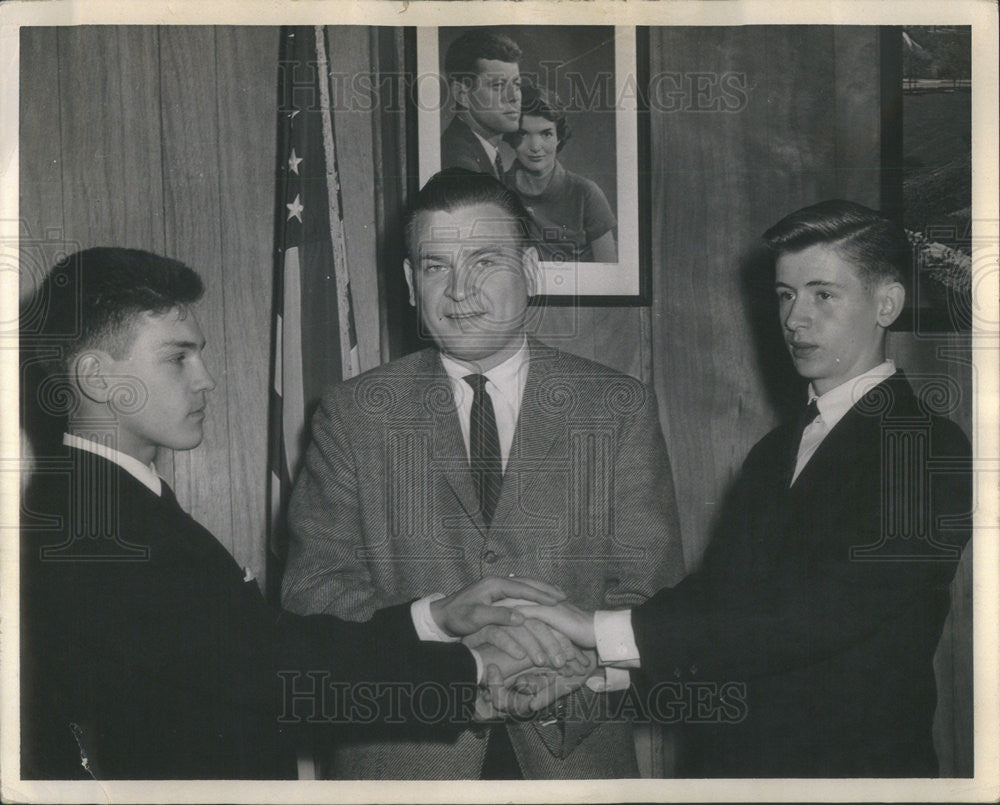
{"x": 186, "y": 442}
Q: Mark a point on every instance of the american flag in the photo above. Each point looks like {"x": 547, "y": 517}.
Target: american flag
{"x": 312, "y": 294}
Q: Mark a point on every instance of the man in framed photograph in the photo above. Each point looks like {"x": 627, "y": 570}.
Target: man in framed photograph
{"x": 490, "y": 453}
{"x": 483, "y": 76}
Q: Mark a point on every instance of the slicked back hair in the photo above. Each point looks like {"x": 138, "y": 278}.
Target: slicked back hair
{"x": 463, "y": 53}
{"x": 875, "y": 245}
{"x": 455, "y": 188}
{"x": 91, "y": 299}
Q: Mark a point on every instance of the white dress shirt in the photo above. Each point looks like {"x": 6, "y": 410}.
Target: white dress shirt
{"x": 490, "y": 149}
{"x": 505, "y": 385}
{"x": 613, "y": 629}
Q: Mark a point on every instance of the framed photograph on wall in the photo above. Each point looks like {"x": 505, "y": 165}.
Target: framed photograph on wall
{"x": 563, "y": 131}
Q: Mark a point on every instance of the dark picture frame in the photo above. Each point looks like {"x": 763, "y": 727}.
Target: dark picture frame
{"x": 939, "y": 282}
{"x": 600, "y": 74}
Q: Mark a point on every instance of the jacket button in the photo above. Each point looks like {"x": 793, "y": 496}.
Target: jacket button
{"x": 489, "y": 557}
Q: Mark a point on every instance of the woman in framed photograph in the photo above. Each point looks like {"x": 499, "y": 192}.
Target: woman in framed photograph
{"x": 573, "y": 219}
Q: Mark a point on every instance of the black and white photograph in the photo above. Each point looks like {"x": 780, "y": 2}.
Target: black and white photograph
{"x": 555, "y": 118}
{"x": 499, "y": 401}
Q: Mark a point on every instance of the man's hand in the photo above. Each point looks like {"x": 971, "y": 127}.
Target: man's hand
{"x": 517, "y": 688}
{"x": 498, "y": 698}
{"x": 546, "y": 687}
{"x": 535, "y": 640}
{"x": 577, "y": 624}
{"x": 469, "y": 610}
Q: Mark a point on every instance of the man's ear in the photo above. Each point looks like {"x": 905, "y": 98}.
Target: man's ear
{"x": 532, "y": 270}
{"x": 460, "y": 92}
{"x": 408, "y": 273}
{"x": 88, "y": 374}
{"x": 891, "y": 298}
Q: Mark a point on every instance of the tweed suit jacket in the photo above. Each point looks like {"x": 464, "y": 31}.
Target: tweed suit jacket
{"x": 824, "y": 601}
{"x": 386, "y": 510}
{"x": 146, "y": 651}
{"x": 460, "y": 148}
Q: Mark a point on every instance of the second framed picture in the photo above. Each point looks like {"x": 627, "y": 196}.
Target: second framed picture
{"x": 553, "y": 112}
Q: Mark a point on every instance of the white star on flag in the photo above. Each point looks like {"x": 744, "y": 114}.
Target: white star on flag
{"x": 293, "y": 163}
{"x": 295, "y": 209}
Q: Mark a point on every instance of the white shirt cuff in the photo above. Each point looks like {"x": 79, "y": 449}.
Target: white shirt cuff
{"x": 615, "y": 639}
{"x": 480, "y": 666}
{"x": 424, "y": 623}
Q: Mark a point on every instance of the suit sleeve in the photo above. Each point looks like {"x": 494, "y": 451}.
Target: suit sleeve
{"x": 215, "y": 638}
{"x": 742, "y": 616}
{"x": 646, "y": 541}
{"x": 324, "y": 572}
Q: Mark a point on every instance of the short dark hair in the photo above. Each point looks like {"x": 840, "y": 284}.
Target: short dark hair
{"x": 877, "y": 246}
{"x": 479, "y": 43}
{"x": 543, "y": 103}
{"x": 454, "y": 188}
{"x": 92, "y": 298}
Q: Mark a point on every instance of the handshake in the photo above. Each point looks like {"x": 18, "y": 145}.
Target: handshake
{"x": 533, "y": 645}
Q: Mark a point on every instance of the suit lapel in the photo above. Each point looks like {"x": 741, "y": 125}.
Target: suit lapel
{"x": 850, "y": 440}
{"x": 432, "y": 392}
{"x": 540, "y": 422}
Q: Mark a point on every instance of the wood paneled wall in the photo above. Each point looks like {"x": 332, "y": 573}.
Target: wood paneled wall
{"x": 163, "y": 139}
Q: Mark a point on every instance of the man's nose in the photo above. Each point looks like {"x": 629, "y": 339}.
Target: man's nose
{"x": 798, "y": 314}
{"x": 204, "y": 380}
{"x": 456, "y": 288}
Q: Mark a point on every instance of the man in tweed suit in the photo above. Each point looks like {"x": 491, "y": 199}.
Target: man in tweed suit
{"x": 569, "y": 482}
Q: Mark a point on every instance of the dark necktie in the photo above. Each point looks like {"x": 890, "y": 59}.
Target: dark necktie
{"x": 484, "y": 448}
{"x": 498, "y": 165}
{"x": 807, "y": 415}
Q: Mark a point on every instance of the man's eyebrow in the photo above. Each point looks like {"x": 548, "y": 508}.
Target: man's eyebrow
{"x": 811, "y": 284}
{"x": 183, "y": 345}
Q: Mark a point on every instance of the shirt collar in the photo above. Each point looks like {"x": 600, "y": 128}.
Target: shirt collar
{"x": 491, "y": 150}
{"x": 508, "y": 376}
{"x": 145, "y": 474}
{"x": 839, "y": 400}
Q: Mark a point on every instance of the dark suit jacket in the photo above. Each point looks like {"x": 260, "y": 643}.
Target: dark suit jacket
{"x": 460, "y": 148}
{"x": 144, "y": 648}
{"x": 821, "y": 604}
{"x": 385, "y": 510}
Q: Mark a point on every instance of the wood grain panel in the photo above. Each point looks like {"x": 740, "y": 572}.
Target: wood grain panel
{"x": 719, "y": 179}
{"x": 608, "y": 335}
{"x": 141, "y": 154}
{"x": 90, "y": 94}
{"x": 858, "y": 133}
{"x": 246, "y": 70}
{"x": 192, "y": 218}
{"x": 41, "y": 225}
{"x": 354, "y": 107}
